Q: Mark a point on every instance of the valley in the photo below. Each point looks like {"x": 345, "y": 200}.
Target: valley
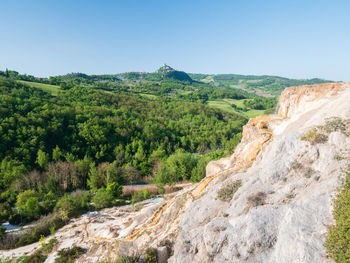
{"x": 118, "y": 160}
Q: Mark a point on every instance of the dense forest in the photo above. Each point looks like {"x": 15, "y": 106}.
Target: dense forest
{"x": 92, "y": 140}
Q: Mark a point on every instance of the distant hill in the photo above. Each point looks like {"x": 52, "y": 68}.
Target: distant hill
{"x": 82, "y": 77}
{"x": 261, "y": 85}
{"x": 173, "y": 81}
{"x": 163, "y": 73}
{"x": 168, "y": 72}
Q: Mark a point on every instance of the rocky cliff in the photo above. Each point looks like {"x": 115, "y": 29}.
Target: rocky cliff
{"x": 283, "y": 208}
{"x": 271, "y": 201}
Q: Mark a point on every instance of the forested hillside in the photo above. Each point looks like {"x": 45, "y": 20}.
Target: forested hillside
{"x": 91, "y": 139}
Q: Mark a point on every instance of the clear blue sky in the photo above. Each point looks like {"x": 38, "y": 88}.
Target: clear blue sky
{"x": 295, "y": 38}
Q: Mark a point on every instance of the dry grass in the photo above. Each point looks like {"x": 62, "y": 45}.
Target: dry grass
{"x": 257, "y": 199}
{"x": 129, "y": 190}
{"x": 227, "y": 192}
{"x": 314, "y": 136}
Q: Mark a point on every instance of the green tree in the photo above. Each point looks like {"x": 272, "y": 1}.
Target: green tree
{"x": 115, "y": 189}
{"x": 93, "y": 180}
{"x": 57, "y": 154}
{"x": 28, "y": 204}
{"x": 10, "y": 170}
{"x": 176, "y": 168}
{"x": 42, "y": 159}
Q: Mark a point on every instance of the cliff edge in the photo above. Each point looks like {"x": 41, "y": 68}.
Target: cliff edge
{"x": 274, "y": 201}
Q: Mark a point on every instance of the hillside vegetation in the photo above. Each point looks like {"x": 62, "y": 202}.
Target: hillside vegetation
{"x": 92, "y": 140}
{"x": 268, "y": 86}
{"x": 52, "y": 89}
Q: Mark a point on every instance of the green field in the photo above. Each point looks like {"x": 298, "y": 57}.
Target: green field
{"x": 52, "y": 89}
{"x": 225, "y": 104}
{"x": 151, "y": 96}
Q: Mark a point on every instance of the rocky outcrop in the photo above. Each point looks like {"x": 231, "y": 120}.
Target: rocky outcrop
{"x": 256, "y": 133}
{"x": 283, "y": 208}
{"x": 295, "y": 100}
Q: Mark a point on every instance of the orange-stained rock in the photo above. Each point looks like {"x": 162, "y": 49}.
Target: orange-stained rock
{"x": 258, "y": 131}
{"x": 293, "y": 99}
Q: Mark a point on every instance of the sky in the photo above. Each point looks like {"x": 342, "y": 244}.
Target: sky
{"x": 295, "y": 38}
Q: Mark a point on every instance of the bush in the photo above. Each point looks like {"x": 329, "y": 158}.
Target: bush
{"x": 68, "y": 255}
{"x": 150, "y": 255}
{"x": 257, "y": 199}
{"x": 2, "y": 231}
{"x": 314, "y": 137}
{"x": 81, "y": 199}
{"x": 338, "y": 238}
{"x": 49, "y": 202}
{"x": 140, "y": 196}
{"x": 28, "y": 205}
{"x": 5, "y": 211}
{"x": 103, "y": 198}
{"x": 37, "y": 257}
{"x": 67, "y": 207}
{"x": 115, "y": 189}
{"x": 40, "y": 255}
{"x": 336, "y": 124}
{"x": 227, "y": 192}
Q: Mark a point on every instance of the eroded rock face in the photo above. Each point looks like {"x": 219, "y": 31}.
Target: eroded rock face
{"x": 295, "y": 100}
{"x": 256, "y": 133}
{"x": 284, "y": 206}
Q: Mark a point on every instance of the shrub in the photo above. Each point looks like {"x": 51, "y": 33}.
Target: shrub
{"x": 103, "y": 198}
{"x": 115, "y": 189}
{"x": 150, "y": 255}
{"x": 40, "y": 255}
{"x": 257, "y": 199}
{"x": 2, "y": 231}
{"x": 81, "y": 199}
{"x": 338, "y": 238}
{"x": 47, "y": 247}
{"x": 314, "y": 137}
{"x": 309, "y": 172}
{"x": 297, "y": 165}
{"x": 37, "y": 257}
{"x": 140, "y": 196}
{"x": 68, "y": 255}
{"x": 227, "y": 192}
{"x": 5, "y": 211}
{"x": 335, "y": 124}
{"x": 67, "y": 206}
{"x": 49, "y": 202}
{"x": 28, "y": 204}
